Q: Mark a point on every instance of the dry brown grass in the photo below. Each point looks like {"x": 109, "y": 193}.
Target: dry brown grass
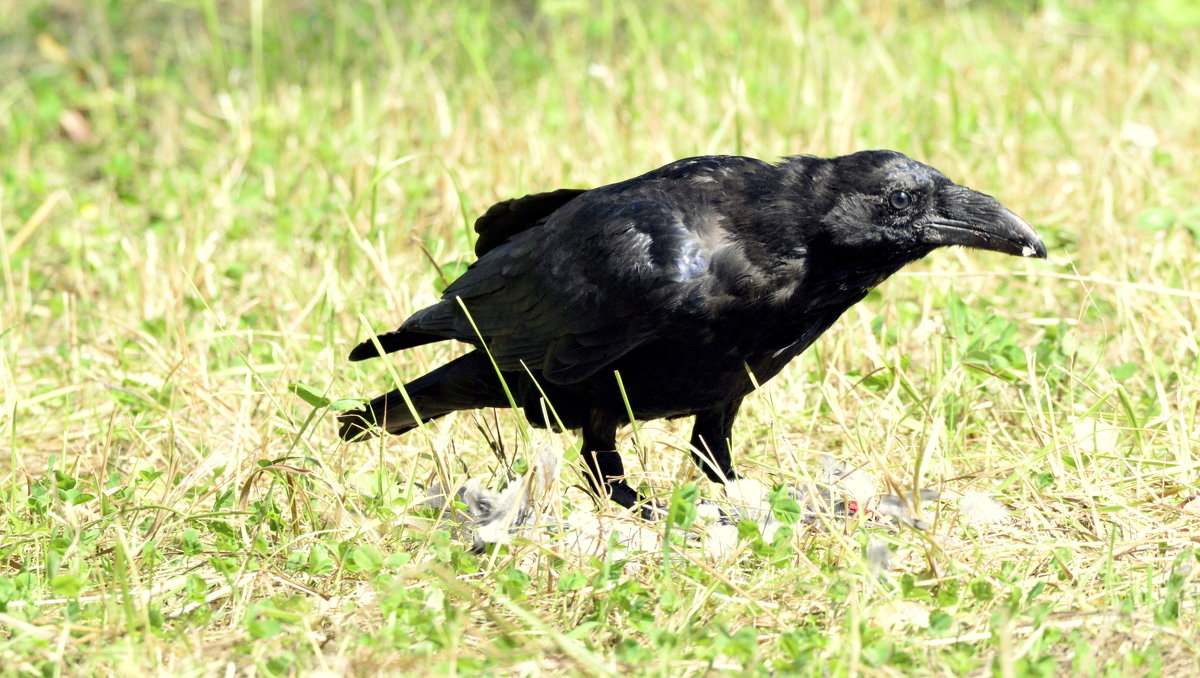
{"x": 203, "y": 203}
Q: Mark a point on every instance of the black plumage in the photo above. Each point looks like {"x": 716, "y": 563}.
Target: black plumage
{"x": 694, "y": 282}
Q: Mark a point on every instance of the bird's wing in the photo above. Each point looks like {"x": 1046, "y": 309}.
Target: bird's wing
{"x": 605, "y": 274}
{"x": 505, "y": 219}
{"x": 495, "y": 227}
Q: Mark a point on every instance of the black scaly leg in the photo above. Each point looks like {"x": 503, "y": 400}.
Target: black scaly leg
{"x": 710, "y": 441}
{"x": 605, "y": 472}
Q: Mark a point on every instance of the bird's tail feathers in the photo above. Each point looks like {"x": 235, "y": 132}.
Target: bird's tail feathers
{"x": 465, "y": 383}
{"x": 387, "y": 412}
{"x": 391, "y": 342}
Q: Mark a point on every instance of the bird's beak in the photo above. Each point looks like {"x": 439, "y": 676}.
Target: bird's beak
{"x": 972, "y": 219}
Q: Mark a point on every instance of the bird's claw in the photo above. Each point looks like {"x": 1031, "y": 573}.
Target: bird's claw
{"x": 624, "y": 495}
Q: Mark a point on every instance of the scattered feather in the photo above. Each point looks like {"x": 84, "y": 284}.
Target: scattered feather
{"x": 879, "y": 556}
{"x": 896, "y": 616}
{"x": 858, "y": 484}
{"x": 1138, "y": 135}
{"x": 748, "y": 500}
{"x": 892, "y": 506}
{"x": 979, "y": 509}
{"x": 495, "y": 517}
{"x": 590, "y": 534}
{"x": 1094, "y": 435}
{"x": 720, "y": 539}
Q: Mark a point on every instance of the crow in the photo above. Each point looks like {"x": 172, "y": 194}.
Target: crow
{"x": 673, "y": 294}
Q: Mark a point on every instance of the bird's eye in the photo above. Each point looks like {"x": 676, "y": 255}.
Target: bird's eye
{"x": 900, "y": 200}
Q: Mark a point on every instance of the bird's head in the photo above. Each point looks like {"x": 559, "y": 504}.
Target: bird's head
{"x": 888, "y": 204}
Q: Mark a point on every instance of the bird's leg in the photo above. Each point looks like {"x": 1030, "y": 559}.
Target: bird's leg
{"x": 710, "y": 441}
{"x": 605, "y": 472}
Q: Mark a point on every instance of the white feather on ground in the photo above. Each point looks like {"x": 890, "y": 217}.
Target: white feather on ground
{"x": 495, "y": 517}
{"x": 492, "y": 517}
{"x": 879, "y": 556}
{"x": 979, "y": 509}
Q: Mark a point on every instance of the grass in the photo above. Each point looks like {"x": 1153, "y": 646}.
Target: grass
{"x": 202, "y": 202}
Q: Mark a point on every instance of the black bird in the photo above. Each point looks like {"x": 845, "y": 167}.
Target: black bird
{"x": 689, "y": 284}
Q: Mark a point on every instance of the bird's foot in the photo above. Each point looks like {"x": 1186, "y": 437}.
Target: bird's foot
{"x": 621, "y": 493}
